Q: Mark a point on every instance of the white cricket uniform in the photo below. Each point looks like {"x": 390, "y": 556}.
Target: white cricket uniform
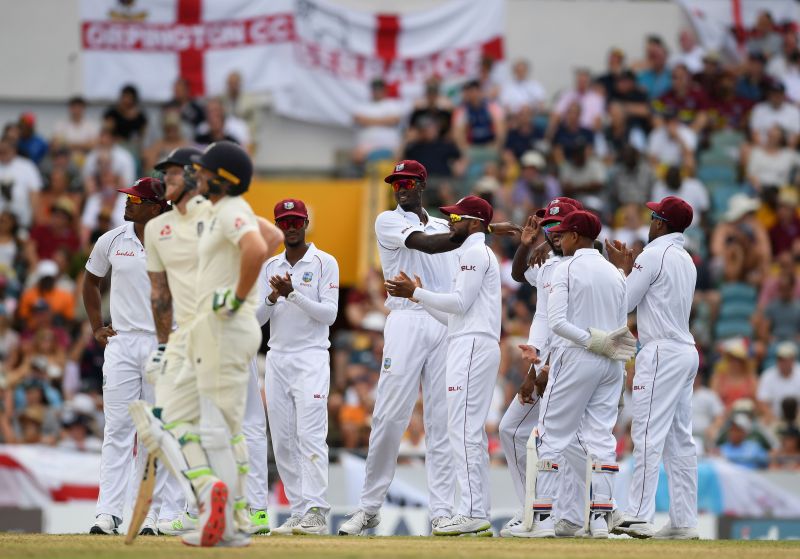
{"x": 661, "y": 288}
{"x": 298, "y": 373}
{"x": 171, "y": 242}
{"x": 472, "y": 312}
{"x": 582, "y": 395}
{"x": 412, "y": 354}
{"x": 125, "y": 357}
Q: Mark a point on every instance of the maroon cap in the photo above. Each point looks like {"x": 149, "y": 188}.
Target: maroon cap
{"x": 556, "y": 211}
{"x": 147, "y": 188}
{"x": 542, "y": 212}
{"x": 471, "y": 206}
{"x": 581, "y": 222}
{"x": 408, "y": 169}
{"x": 676, "y": 212}
{"x": 290, "y": 208}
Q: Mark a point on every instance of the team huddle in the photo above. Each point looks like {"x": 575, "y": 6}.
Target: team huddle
{"x": 191, "y": 287}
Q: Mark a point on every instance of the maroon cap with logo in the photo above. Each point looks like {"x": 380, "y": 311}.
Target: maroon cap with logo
{"x": 676, "y": 212}
{"x": 471, "y": 206}
{"x": 290, "y": 208}
{"x": 408, "y": 169}
{"x": 555, "y": 212}
{"x": 581, "y": 222}
{"x": 543, "y": 212}
{"x": 147, "y": 188}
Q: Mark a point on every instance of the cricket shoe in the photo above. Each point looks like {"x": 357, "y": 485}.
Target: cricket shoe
{"x": 149, "y": 527}
{"x": 259, "y": 523}
{"x": 566, "y": 529}
{"x": 183, "y": 524}
{"x": 239, "y": 539}
{"x": 286, "y": 528}
{"x": 670, "y": 533}
{"x": 598, "y": 526}
{"x": 213, "y": 498}
{"x": 437, "y": 521}
{"x": 312, "y": 524}
{"x": 361, "y": 521}
{"x": 634, "y": 527}
{"x": 513, "y": 524}
{"x": 105, "y": 524}
{"x": 461, "y": 524}
{"x": 543, "y": 528}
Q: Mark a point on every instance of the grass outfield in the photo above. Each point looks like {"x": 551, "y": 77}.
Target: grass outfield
{"x": 13, "y": 546}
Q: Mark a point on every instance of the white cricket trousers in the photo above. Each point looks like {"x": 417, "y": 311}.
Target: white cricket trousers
{"x": 414, "y": 352}
{"x": 472, "y": 366}
{"x": 125, "y": 357}
{"x": 662, "y": 426}
{"x": 580, "y": 401}
{"x": 297, "y": 385}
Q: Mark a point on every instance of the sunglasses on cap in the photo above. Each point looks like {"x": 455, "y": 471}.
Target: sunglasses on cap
{"x": 404, "y": 184}
{"x": 290, "y": 223}
{"x": 136, "y": 200}
{"x": 654, "y": 215}
{"x": 454, "y": 218}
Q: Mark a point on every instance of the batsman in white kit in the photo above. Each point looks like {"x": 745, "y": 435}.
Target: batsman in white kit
{"x": 128, "y": 341}
{"x": 587, "y": 311}
{"x": 471, "y": 311}
{"x": 301, "y": 300}
{"x": 171, "y": 242}
{"x": 660, "y": 287}
{"x": 200, "y": 439}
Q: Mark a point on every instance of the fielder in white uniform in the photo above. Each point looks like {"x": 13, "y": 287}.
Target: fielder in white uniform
{"x": 128, "y": 340}
{"x": 472, "y": 313}
{"x": 587, "y": 310}
{"x": 301, "y": 300}
{"x": 660, "y": 287}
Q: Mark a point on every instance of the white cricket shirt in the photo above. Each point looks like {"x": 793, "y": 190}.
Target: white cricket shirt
{"x": 392, "y": 228}
{"x": 540, "y": 335}
{"x": 120, "y": 251}
{"x": 661, "y": 288}
{"x": 475, "y": 302}
{"x": 587, "y": 291}
{"x": 302, "y": 320}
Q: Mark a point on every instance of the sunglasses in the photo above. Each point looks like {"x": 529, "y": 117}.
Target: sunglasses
{"x": 654, "y": 215}
{"x": 404, "y": 184}
{"x": 290, "y": 223}
{"x": 136, "y": 200}
{"x": 456, "y": 218}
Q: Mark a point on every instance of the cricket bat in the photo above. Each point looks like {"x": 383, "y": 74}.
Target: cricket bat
{"x": 143, "y": 500}
{"x": 531, "y": 470}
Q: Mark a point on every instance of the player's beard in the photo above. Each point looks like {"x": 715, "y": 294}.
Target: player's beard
{"x": 459, "y": 236}
{"x": 556, "y": 249}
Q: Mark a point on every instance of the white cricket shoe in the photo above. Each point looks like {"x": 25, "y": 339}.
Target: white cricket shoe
{"x": 359, "y": 522}
{"x": 213, "y": 500}
{"x": 239, "y": 539}
{"x": 149, "y": 527}
{"x": 461, "y": 524}
{"x": 437, "y": 521}
{"x": 566, "y": 529}
{"x": 541, "y": 529}
{"x": 286, "y": 528}
{"x": 514, "y": 523}
{"x": 177, "y": 527}
{"x": 598, "y": 527}
{"x": 634, "y": 527}
{"x": 670, "y": 533}
{"x": 105, "y": 524}
{"x": 312, "y": 524}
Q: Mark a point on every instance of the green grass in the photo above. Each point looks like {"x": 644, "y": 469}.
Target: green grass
{"x": 13, "y": 546}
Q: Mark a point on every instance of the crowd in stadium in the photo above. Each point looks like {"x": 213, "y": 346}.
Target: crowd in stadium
{"x": 722, "y": 135}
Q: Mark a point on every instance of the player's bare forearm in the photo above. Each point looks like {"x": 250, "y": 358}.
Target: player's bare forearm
{"x": 161, "y": 302}
{"x": 92, "y": 300}
{"x": 253, "y": 252}
{"x": 520, "y": 263}
{"x": 271, "y": 234}
{"x": 431, "y": 244}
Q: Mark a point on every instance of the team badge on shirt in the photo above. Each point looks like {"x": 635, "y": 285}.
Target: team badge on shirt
{"x": 238, "y": 223}
{"x": 307, "y": 276}
{"x": 166, "y": 231}
{"x": 387, "y": 363}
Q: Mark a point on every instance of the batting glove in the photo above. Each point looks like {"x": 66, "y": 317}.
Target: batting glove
{"x": 226, "y": 302}
{"x": 619, "y": 344}
{"x": 155, "y": 364}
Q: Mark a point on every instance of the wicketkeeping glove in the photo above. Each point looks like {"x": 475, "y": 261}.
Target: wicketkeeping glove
{"x": 155, "y": 364}
{"x": 619, "y": 344}
{"x": 226, "y": 302}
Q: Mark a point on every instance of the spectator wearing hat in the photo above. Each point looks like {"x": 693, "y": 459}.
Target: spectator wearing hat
{"x": 734, "y": 374}
{"x": 780, "y": 381}
{"x": 534, "y": 187}
{"x": 77, "y": 132}
{"x": 631, "y": 179}
{"x": 378, "y": 124}
{"x": 20, "y": 183}
{"x": 685, "y": 187}
{"x": 691, "y": 53}
{"x": 522, "y": 90}
{"x": 30, "y": 144}
{"x": 740, "y": 449}
{"x": 739, "y": 243}
{"x": 60, "y": 302}
{"x": 776, "y": 110}
{"x": 59, "y": 232}
{"x": 654, "y": 75}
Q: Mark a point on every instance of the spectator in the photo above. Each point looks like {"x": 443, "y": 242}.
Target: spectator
{"x": 106, "y": 198}
{"x": 20, "y": 183}
{"x": 60, "y": 302}
{"x": 171, "y": 137}
{"x": 771, "y": 165}
{"x": 785, "y": 265}
{"x": 734, "y": 375}
{"x": 780, "y": 62}
{"x": 726, "y": 109}
{"x": 631, "y": 179}
{"x": 781, "y": 318}
{"x": 109, "y": 158}
{"x": 126, "y": 118}
{"x": 615, "y": 65}
{"x": 523, "y": 136}
{"x": 220, "y": 125}
{"x": 522, "y": 90}
{"x": 776, "y": 110}
{"x": 655, "y": 77}
{"x": 57, "y": 189}
{"x": 77, "y": 132}
{"x": 741, "y": 450}
{"x": 378, "y": 123}
{"x": 59, "y": 232}
{"x": 192, "y": 112}
{"x": 534, "y": 188}
{"x": 243, "y": 106}
{"x": 672, "y": 143}
{"x": 582, "y": 174}
{"x": 440, "y": 156}
{"x": 708, "y": 412}
{"x": 685, "y": 98}
{"x": 764, "y": 39}
{"x": 754, "y": 83}
{"x": 632, "y": 227}
{"x": 433, "y": 106}
{"x": 741, "y": 241}
{"x": 781, "y": 381}
{"x": 570, "y": 134}
{"x": 489, "y": 79}
{"x": 30, "y": 144}
{"x": 77, "y": 433}
{"x": 633, "y": 102}
{"x": 791, "y": 78}
{"x": 691, "y": 53}
{"x": 787, "y": 456}
{"x": 478, "y": 124}
{"x": 686, "y": 188}
{"x": 783, "y": 235}
{"x": 9, "y": 338}
{"x": 11, "y": 250}
{"x": 589, "y": 99}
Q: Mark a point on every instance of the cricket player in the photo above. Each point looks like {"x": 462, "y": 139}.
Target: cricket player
{"x": 171, "y": 241}
{"x": 587, "y": 310}
{"x": 660, "y": 286}
{"x": 200, "y": 439}
{"x": 472, "y": 313}
{"x": 128, "y": 341}
{"x": 302, "y": 284}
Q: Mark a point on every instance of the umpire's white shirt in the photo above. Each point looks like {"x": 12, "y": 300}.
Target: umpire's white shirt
{"x": 121, "y": 251}
{"x": 475, "y": 303}
{"x": 302, "y": 320}
{"x": 392, "y": 228}
{"x": 587, "y": 292}
{"x": 661, "y": 285}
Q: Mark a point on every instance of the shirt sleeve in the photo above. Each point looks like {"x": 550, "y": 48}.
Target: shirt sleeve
{"x": 236, "y": 222}
{"x": 472, "y": 268}
{"x": 531, "y": 274}
{"x": 98, "y": 263}
{"x": 326, "y": 308}
{"x": 264, "y": 310}
{"x": 639, "y": 280}
{"x": 558, "y": 301}
{"x": 392, "y": 230}
{"x": 440, "y": 316}
{"x": 540, "y": 330}
{"x": 154, "y": 262}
